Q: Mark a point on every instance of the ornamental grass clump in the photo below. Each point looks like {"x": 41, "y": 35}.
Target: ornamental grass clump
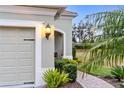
{"x": 118, "y": 72}
{"x": 54, "y": 78}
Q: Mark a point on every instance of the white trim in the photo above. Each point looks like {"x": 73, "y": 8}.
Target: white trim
{"x": 69, "y": 57}
{"x": 37, "y": 25}
{"x": 27, "y": 10}
{"x": 19, "y": 86}
{"x": 64, "y": 39}
{"x": 38, "y": 56}
{"x": 65, "y": 17}
{"x": 19, "y": 23}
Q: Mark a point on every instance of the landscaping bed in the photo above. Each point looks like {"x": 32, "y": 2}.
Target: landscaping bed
{"x": 72, "y": 85}
{"x": 112, "y": 81}
{"x": 63, "y": 76}
{"x": 69, "y": 85}
{"x": 103, "y": 72}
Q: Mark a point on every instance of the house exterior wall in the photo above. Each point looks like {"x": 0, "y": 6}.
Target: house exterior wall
{"x": 66, "y": 26}
{"x": 47, "y": 46}
{"x": 63, "y": 24}
{"x": 58, "y": 44}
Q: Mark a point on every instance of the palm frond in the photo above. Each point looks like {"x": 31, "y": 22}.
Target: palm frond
{"x": 109, "y": 50}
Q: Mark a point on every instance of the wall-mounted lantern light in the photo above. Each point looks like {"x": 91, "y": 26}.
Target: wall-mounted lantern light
{"x": 47, "y": 31}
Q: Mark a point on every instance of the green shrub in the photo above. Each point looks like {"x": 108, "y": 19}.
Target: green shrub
{"x": 71, "y": 69}
{"x": 74, "y": 52}
{"x": 54, "y": 78}
{"x": 77, "y": 60}
{"x": 59, "y": 63}
{"x": 65, "y": 60}
{"x": 79, "y": 46}
{"x": 70, "y": 61}
{"x": 118, "y": 72}
{"x": 84, "y": 45}
{"x": 69, "y": 66}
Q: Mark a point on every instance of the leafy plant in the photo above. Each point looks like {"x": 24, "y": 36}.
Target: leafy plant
{"x": 59, "y": 63}
{"x": 122, "y": 84}
{"x": 69, "y": 66}
{"x": 69, "y": 61}
{"x": 71, "y": 69}
{"x": 109, "y": 48}
{"x": 84, "y": 45}
{"x": 54, "y": 78}
{"x": 118, "y": 72}
{"x": 77, "y": 60}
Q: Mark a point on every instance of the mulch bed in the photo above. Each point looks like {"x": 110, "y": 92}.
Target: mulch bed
{"x": 70, "y": 85}
{"x": 112, "y": 81}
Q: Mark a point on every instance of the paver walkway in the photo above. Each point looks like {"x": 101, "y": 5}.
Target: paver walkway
{"x": 90, "y": 81}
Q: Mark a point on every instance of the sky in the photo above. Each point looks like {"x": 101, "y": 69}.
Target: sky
{"x": 83, "y": 10}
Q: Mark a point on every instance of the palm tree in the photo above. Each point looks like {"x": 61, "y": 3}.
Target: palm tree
{"x": 109, "y": 48}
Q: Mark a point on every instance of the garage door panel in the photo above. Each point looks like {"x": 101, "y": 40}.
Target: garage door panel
{"x": 16, "y": 55}
{"x": 16, "y": 48}
{"x": 17, "y": 69}
{"x": 26, "y": 62}
{"x": 16, "y": 32}
{"x": 8, "y": 70}
{"x": 8, "y": 62}
{"x": 9, "y": 34}
{"x": 16, "y": 62}
{"x": 25, "y": 55}
{"x": 14, "y": 41}
{"x": 26, "y": 77}
{"x": 25, "y": 69}
{"x": 8, "y": 78}
{"x": 11, "y": 55}
{"x": 9, "y": 40}
{"x": 28, "y": 35}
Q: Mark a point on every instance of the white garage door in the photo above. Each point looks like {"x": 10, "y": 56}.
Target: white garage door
{"x": 16, "y": 55}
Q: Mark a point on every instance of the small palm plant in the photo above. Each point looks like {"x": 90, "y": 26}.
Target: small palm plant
{"x": 54, "y": 78}
{"x": 118, "y": 72}
{"x": 122, "y": 83}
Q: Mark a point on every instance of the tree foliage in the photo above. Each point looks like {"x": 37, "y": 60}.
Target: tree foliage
{"x": 109, "y": 50}
{"x": 82, "y": 32}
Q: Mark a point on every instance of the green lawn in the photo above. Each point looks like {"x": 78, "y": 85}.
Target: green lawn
{"x": 103, "y": 71}
{"x": 100, "y": 71}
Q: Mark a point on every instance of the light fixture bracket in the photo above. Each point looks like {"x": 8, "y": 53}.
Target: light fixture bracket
{"x": 48, "y": 33}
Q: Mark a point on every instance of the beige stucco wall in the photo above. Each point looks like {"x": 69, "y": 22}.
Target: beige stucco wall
{"x": 66, "y": 25}
{"x": 47, "y": 48}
